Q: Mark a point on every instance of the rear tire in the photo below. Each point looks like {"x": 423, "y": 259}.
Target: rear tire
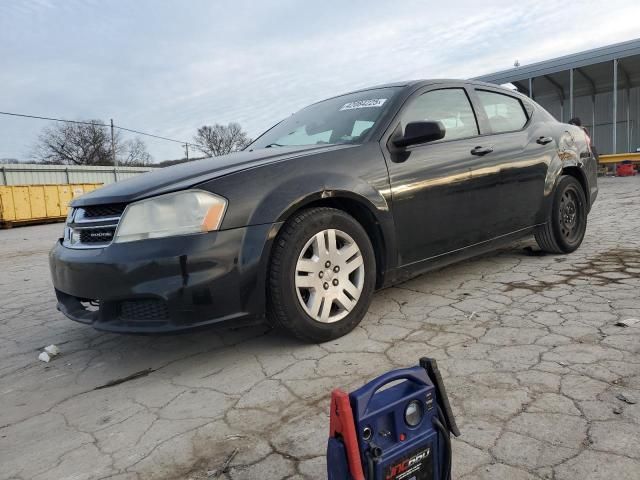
{"x": 565, "y": 228}
{"x": 322, "y": 275}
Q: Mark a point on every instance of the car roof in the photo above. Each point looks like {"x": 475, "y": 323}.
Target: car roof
{"x": 414, "y": 84}
{"x": 425, "y": 82}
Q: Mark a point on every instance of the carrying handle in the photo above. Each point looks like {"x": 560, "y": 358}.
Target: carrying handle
{"x": 415, "y": 374}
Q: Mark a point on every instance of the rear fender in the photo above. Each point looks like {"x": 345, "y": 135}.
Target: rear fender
{"x": 567, "y": 161}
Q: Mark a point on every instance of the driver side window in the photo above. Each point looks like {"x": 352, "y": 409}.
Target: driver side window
{"x": 450, "y": 106}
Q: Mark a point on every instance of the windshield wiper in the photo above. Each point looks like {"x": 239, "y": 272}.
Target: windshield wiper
{"x": 274, "y": 145}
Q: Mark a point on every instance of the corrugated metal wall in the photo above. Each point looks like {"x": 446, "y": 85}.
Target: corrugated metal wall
{"x": 603, "y": 132}
{"x": 18, "y": 174}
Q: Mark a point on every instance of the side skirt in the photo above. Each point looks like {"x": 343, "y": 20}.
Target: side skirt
{"x": 415, "y": 269}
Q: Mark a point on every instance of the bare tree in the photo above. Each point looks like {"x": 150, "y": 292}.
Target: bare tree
{"x": 221, "y": 139}
{"x": 133, "y": 153}
{"x": 74, "y": 144}
{"x": 87, "y": 143}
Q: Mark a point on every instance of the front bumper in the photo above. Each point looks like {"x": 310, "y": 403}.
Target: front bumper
{"x": 165, "y": 284}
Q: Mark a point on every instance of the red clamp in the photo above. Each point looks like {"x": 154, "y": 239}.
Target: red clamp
{"x": 341, "y": 425}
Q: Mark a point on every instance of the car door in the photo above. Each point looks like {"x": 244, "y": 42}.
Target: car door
{"x": 430, "y": 182}
{"x": 513, "y": 154}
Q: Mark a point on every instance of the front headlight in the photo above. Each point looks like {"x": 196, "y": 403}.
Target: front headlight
{"x": 179, "y": 213}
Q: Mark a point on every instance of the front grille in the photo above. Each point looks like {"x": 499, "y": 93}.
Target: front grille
{"x": 114, "y": 210}
{"x": 97, "y": 235}
{"x": 93, "y": 226}
{"x": 144, "y": 310}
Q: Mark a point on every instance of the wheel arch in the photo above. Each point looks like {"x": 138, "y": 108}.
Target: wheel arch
{"x": 576, "y": 172}
{"x": 572, "y": 145}
{"x": 364, "y": 213}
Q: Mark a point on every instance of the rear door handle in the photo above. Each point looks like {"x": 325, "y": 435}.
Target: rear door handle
{"x": 544, "y": 140}
{"x": 481, "y": 150}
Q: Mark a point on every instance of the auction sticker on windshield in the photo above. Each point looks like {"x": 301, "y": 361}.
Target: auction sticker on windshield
{"x": 370, "y": 103}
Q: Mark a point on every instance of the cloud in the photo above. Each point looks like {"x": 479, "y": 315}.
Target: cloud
{"x": 168, "y": 68}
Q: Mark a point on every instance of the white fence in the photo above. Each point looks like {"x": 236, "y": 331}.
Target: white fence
{"x": 22, "y": 174}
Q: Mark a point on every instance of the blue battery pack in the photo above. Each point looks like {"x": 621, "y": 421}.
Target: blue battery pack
{"x": 394, "y": 416}
{"x": 398, "y": 426}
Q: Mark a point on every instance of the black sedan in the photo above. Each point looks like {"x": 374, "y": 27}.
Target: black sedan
{"x": 348, "y": 195}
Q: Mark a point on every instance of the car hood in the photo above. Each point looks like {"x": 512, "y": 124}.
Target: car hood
{"x": 187, "y": 175}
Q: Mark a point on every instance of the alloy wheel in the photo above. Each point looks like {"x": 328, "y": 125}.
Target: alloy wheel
{"x": 329, "y": 275}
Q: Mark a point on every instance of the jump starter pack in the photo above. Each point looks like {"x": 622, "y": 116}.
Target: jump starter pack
{"x": 396, "y": 427}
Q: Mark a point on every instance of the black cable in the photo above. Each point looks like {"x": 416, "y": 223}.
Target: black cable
{"x": 53, "y": 119}
{"x": 443, "y": 420}
{"x": 155, "y": 136}
{"x": 79, "y": 122}
{"x": 370, "y": 467}
{"x": 446, "y": 467}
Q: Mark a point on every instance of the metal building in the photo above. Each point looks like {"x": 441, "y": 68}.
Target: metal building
{"x": 601, "y": 86}
{"x": 28, "y": 174}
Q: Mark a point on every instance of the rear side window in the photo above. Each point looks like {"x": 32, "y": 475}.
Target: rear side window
{"x": 449, "y": 106}
{"x": 505, "y": 113}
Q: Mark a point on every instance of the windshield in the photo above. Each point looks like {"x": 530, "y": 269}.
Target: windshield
{"x": 345, "y": 119}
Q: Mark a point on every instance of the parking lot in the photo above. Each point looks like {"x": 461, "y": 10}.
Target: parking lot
{"x": 542, "y": 380}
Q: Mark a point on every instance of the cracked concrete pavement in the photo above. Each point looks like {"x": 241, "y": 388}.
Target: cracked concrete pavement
{"x": 531, "y": 356}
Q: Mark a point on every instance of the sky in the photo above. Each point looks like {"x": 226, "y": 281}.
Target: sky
{"x": 169, "y": 67}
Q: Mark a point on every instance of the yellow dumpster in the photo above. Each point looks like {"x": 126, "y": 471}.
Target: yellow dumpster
{"x": 22, "y": 204}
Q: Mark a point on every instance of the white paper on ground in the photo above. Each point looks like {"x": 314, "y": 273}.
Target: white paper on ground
{"x": 52, "y": 350}
{"x": 627, "y": 322}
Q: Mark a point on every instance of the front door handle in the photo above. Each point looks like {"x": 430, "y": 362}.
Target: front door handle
{"x": 544, "y": 140}
{"x": 481, "y": 150}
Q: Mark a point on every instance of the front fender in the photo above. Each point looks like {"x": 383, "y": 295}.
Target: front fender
{"x": 325, "y": 188}
{"x": 272, "y": 193}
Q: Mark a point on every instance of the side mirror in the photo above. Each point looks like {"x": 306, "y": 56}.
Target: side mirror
{"x": 420, "y": 132}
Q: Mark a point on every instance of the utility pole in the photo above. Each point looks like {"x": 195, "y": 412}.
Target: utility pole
{"x": 615, "y": 105}
{"x": 113, "y": 146}
{"x": 186, "y": 149}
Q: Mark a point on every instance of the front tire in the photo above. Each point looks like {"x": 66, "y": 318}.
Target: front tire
{"x": 322, "y": 275}
{"x": 565, "y": 228}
